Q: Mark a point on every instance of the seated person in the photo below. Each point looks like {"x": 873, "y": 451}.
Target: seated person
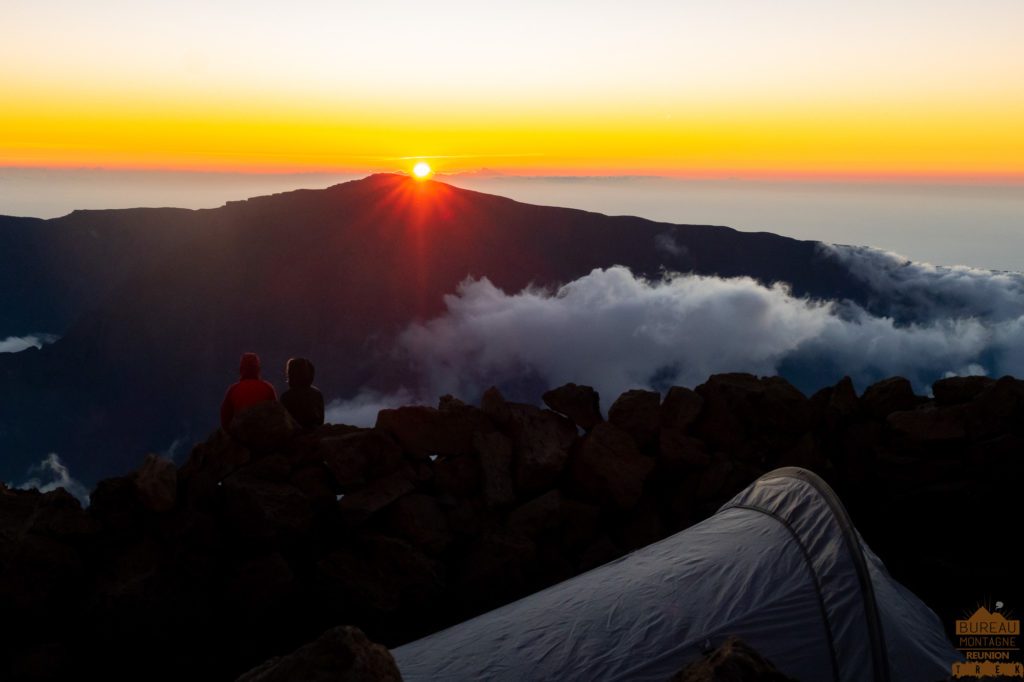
{"x": 302, "y": 399}
{"x": 249, "y": 390}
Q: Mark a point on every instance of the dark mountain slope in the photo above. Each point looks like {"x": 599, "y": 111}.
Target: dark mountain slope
{"x": 164, "y": 300}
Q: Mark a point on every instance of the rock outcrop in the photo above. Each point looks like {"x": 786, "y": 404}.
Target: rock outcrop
{"x": 265, "y": 539}
{"x": 342, "y": 654}
{"x": 733, "y": 661}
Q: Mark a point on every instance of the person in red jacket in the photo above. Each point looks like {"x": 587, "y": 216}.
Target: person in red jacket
{"x": 249, "y": 390}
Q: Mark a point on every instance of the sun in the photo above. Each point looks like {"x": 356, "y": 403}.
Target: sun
{"x": 422, "y": 170}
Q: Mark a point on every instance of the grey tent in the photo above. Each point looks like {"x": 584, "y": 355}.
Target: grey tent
{"x": 780, "y": 565}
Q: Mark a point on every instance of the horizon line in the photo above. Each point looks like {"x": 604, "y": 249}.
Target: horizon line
{"x": 951, "y": 177}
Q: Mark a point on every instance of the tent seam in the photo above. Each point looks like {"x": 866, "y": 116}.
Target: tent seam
{"x": 814, "y": 576}
{"x": 880, "y": 655}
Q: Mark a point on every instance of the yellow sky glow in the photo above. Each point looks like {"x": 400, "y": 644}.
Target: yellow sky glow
{"x": 925, "y": 90}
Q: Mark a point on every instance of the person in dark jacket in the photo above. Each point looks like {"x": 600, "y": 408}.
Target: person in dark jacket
{"x": 302, "y": 399}
{"x": 249, "y": 390}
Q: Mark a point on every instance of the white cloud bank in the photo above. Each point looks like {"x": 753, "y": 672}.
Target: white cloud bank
{"x": 16, "y": 344}
{"x": 916, "y": 291}
{"x": 614, "y": 331}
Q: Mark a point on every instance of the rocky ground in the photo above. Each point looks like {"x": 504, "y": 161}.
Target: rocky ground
{"x": 267, "y": 539}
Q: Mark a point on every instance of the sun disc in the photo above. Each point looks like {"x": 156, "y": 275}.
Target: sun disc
{"x": 421, "y": 170}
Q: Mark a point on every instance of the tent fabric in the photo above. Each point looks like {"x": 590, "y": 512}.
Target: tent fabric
{"x": 779, "y": 565}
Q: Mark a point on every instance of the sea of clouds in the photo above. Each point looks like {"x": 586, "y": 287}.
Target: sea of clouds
{"x": 614, "y": 331}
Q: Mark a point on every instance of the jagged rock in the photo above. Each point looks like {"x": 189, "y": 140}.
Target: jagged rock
{"x": 264, "y": 427}
{"x": 637, "y": 413}
{"x": 755, "y": 419}
{"x": 257, "y": 545}
{"x": 424, "y": 431}
{"x": 42, "y": 566}
{"x": 887, "y": 396}
{"x": 581, "y": 404}
{"x": 807, "y": 453}
{"x": 536, "y": 516}
{"x": 360, "y": 505}
{"x": 581, "y": 523}
{"x": 542, "y": 439}
{"x": 494, "y": 451}
{"x": 495, "y": 568}
{"x": 997, "y": 409}
{"x": 467, "y": 518}
{"x": 837, "y": 404}
{"x": 419, "y": 519}
{"x": 610, "y": 468}
{"x": 317, "y": 483}
{"x": 492, "y": 401}
{"x": 360, "y": 456}
{"x": 999, "y": 456}
{"x": 115, "y": 504}
{"x": 260, "y": 510}
{"x": 208, "y": 464}
{"x": 638, "y": 527}
{"x": 381, "y": 575}
{"x": 156, "y": 483}
{"x": 272, "y": 468}
{"x": 334, "y": 431}
{"x": 714, "y": 478}
{"x": 457, "y": 476}
{"x": 957, "y": 390}
{"x": 599, "y": 553}
{"x": 56, "y": 514}
{"x": 930, "y": 424}
{"x": 680, "y": 409}
{"x": 260, "y": 586}
{"x": 733, "y": 661}
{"x": 679, "y": 454}
{"x": 342, "y": 654}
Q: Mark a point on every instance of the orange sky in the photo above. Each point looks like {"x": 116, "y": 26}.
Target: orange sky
{"x": 739, "y": 89}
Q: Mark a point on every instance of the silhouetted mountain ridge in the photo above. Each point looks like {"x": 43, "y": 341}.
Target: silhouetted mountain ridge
{"x": 155, "y": 305}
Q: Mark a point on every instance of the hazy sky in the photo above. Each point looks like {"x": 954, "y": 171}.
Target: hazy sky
{"x": 950, "y": 224}
{"x": 755, "y": 88}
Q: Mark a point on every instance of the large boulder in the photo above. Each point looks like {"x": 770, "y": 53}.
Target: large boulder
{"x": 494, "y": 452}
{"x": 579, "y": 403}
{"x": 957, "y": 390}
{"x": 540, "y": 514}
{"x": 423, "y": 431}
{"x": 997, "y": 409}
{"x": 889, "y": 395}
{"x": 380, "y": 576}
{"x": 458, "y": 476}
{"x": 316, "y": 482}
{"x": 609, "y": 468}
{"x": 419, "y": 519}
{"x": 637, "y": 413}
{"x": 361, "y": 456}
{"x": 835, "y": 405}
{"x": 264, "y": 427}
{"x": 496, "y": 568}
{"x": 261, "y": 510}
{"x": 930, "y": 424}
{"x": 356, "y": 507}
{"x": 342, "y": 654}
{"x": 733, "y": 661}
{"x": 541, "y": 439}
{"x": 156, "y": 483}
{"x": 755, "y": 419}
{"x": 680, "y": 409}
{"x": 679, "y": 454}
